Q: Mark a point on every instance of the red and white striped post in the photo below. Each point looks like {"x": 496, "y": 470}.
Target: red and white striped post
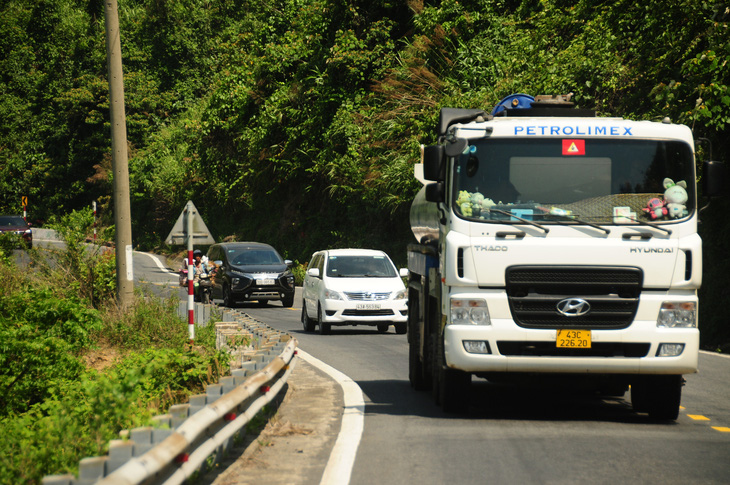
{"x": 191, "y": 302}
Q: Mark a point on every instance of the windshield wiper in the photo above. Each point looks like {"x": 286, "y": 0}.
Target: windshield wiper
{"x": 532, "y": 223}
{"x": 654, "y": 225}
{"x": 579, "y": 221}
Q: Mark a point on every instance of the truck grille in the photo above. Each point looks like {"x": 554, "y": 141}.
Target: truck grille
{"x": 535, "y": 291}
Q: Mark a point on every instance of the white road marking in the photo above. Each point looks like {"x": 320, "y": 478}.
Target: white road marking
{"x": 158, "y": 263}
{"x": 716, "y": 354}
{"x": 339, "y": 466}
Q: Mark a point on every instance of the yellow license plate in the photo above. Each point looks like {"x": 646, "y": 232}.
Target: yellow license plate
{"x": 574, "y": 339}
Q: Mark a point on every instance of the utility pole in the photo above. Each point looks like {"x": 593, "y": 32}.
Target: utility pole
{"x": 122, "y": 216}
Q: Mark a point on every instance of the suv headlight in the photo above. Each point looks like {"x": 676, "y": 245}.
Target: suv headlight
{"x": 400, "y": 295}
{"x": 674, "y": 314}
{"x": 471, "y": 311}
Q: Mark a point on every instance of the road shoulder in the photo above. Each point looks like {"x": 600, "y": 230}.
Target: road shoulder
{"x": 295, "y": 445}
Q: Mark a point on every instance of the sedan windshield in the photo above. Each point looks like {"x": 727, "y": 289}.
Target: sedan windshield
{"x": 360, "y": 267}
{"x": 593, "y": 180}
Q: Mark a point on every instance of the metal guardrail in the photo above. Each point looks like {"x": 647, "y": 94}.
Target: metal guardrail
{"x": 182, "y": 441}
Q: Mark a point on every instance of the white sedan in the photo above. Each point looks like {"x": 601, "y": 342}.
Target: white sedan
{"x": 354, "y": 287}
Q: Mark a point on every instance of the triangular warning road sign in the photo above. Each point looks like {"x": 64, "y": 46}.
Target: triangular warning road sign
{"x": 178, "y": 234}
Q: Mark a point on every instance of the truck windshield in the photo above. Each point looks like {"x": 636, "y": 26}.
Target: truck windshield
{"x": 603, "y": 181}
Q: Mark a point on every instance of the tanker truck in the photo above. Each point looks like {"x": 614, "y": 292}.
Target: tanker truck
{"x": 556, "y": 246}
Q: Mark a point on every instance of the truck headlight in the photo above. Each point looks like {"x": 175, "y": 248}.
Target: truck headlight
{"x": 466, "y": 311}
{"x": 675, "y": 314}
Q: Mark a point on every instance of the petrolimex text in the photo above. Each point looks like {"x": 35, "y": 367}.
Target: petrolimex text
{"x": 545, "y": 130}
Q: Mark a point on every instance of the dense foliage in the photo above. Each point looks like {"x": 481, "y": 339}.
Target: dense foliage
{"x": 297, "y": 122}
{"x": 57, "y": 404}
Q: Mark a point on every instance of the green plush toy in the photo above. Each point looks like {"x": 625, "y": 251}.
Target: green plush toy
{"x": 464, "y": 196}
{"x": 464, "y": 203}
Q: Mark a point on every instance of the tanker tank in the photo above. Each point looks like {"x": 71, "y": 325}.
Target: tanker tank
{"x": 424, "y": 218}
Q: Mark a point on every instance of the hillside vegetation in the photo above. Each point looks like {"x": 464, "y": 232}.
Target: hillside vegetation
{"x": 297, "y": 122}
{"x": 75, "y": 369}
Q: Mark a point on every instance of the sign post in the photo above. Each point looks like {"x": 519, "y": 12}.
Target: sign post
{"x": 191, "y": 276}
{"x": 188, "y": 229}
{"x": 24, "y": 201}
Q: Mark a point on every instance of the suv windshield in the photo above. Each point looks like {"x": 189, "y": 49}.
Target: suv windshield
{"x": 594, "y": 180}
{"x": 251, "y": 257}
{"x": 360, "y": 267}
{"x": 8, "y": 221}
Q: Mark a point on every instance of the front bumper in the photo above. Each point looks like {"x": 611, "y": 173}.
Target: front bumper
{"x": 347, "y": 312}
{"x": 246, "y": 288}
{"x": 627, "y": 351}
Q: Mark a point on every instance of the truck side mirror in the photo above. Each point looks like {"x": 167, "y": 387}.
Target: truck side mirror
{"x": 714, "y": 178}
{"x": 435, "y": 192}
{"x": 456, "y": 147}
{"x": 433, "y": 157}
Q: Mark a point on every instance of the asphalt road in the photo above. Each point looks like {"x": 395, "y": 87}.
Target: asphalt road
{"x": 510, "y": 434}
{"x": 513, "y": 434}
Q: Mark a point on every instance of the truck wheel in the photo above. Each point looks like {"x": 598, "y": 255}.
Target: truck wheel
{"x": 450, "y": 387}
{"x": 401, "y": 328}
{"x": 658, "y": 395}
{"x": 415, "y": 366}
{"x": 435, "y": 369}
{"x": 288, "y": 301}
{"x": 307, "y": 322}
{"x": 324, "y": 327}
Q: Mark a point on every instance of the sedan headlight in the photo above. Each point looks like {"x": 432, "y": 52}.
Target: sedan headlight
{"x": 469, "y": 312}
{"x": 675, "y": 314}
{"x": 331, "y": 295}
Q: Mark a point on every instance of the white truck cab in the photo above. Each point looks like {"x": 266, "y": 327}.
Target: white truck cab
{"x": 551, "y": 241}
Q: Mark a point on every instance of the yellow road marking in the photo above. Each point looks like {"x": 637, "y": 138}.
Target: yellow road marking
{"x": 698, "y": 417}
{"x": 722, "y": 429}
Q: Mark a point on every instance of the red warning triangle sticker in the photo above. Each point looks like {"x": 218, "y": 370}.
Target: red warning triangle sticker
{"x": 574, "y": 147}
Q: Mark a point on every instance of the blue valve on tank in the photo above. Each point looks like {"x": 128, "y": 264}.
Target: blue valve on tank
{"x": 514, "y": 101}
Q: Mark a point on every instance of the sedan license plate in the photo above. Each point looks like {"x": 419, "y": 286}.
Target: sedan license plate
{"x": 265, "y": 282}
{"x": 367, "y": 306}
{"x": 574, "y": 339}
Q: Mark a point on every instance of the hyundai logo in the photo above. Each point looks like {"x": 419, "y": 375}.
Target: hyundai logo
{"x": 573, "y": 307}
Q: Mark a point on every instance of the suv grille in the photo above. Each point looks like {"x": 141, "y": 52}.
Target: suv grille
{"x": 535, "y": 291}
